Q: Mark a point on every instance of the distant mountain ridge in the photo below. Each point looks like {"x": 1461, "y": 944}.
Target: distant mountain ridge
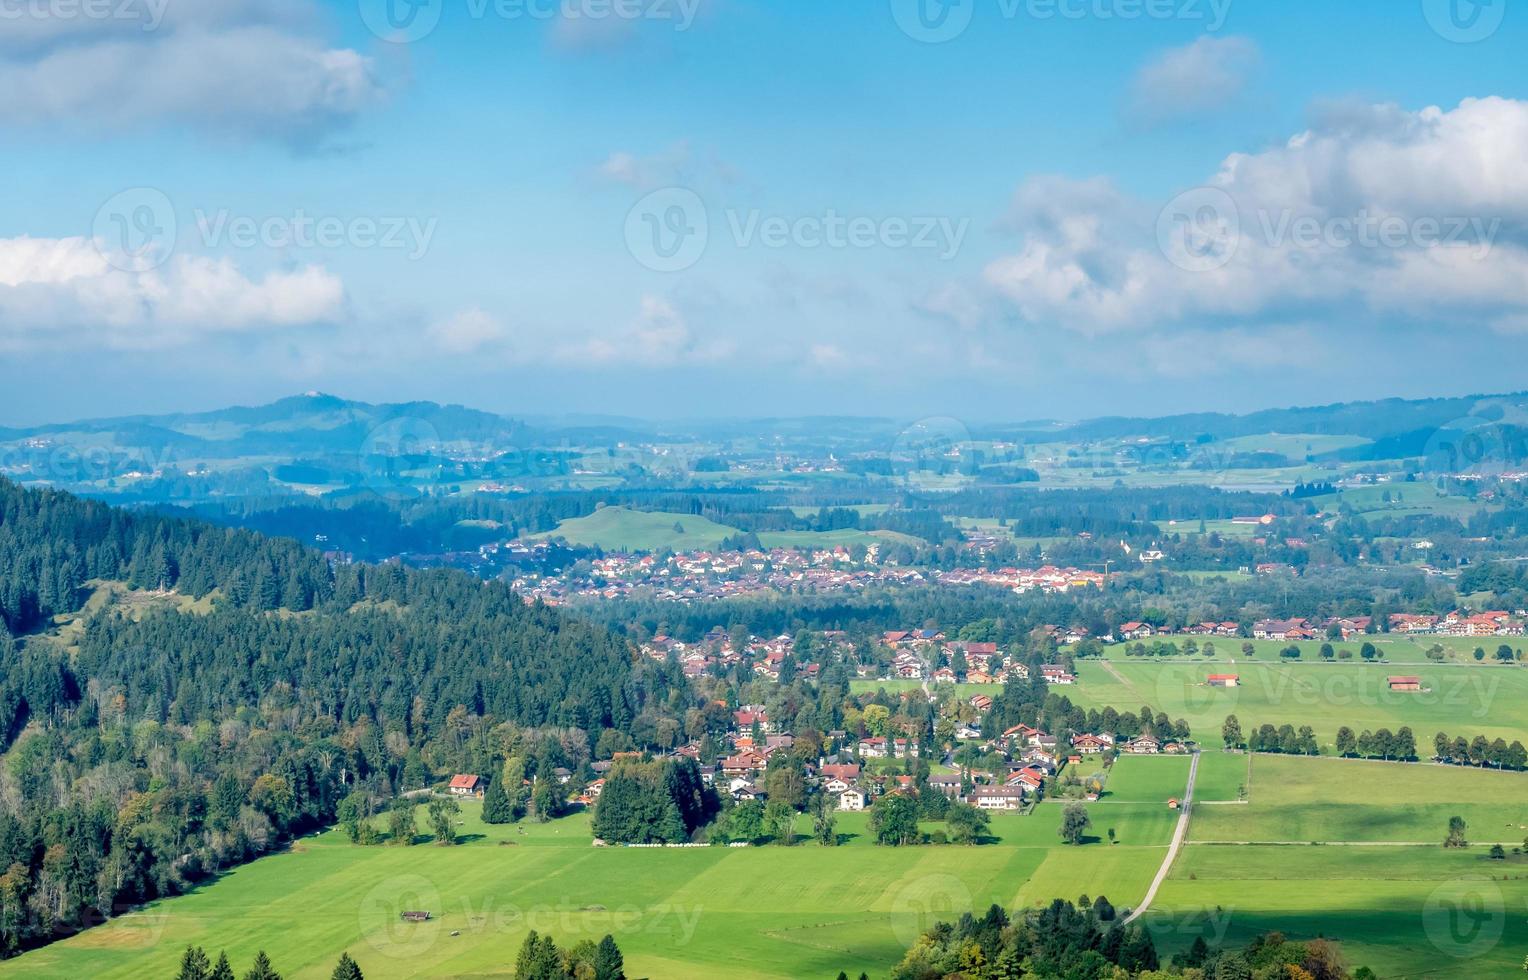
{"x": 313, "y": 423}
{"x": 1390, "y": 418}
{"x": 316, "y": 412}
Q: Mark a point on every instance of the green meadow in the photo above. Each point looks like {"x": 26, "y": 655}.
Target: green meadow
{"x": 753, "y": 912}
{"x": 623, "y": 529}
{"x": 1300, "y": 799}
{"x": 620, "y": 529}
{"x": 1464, "y": 699}
{"x": 1403, "y": 909}
{"x": 1366, "y": 867}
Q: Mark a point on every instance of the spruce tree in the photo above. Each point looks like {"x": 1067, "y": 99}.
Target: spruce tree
{"x": 222, "y": 971}
{"x": 346, "y": 969}
{"x": 194, "y": 964}
{"x": 262, "y": 969}
{"x": 608, "y": 962}
{"x": 496, "y": 805}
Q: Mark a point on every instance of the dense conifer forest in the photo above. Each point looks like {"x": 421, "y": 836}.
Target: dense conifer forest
{"x": 245, "y": 690}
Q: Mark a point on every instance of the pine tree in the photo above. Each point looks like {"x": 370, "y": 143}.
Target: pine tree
{"x": 223, "y": 971}
{"x": 194, "y": 965}
{"x": 262, "y": 970}
{"x": 346, "y": 969}
{"x": 608, "y": 962}
{"x": 496, "y": 806}
{"x": 525, "y": 962}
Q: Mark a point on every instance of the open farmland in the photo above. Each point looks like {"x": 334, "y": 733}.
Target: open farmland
{"x": 700, "y": 912}
{"x": 1405, "y": 910}
{"x": 1465, "y": 699}
{"x": 1299, "y": 799}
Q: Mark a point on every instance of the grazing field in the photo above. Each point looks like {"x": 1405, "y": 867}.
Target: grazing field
{"x": 1395, "y": 648}
{"x": 1222, "y": 775}
{"x": 1460, "y": 700}
{"x": 775, "y": 912}
{"x": 622, "y": 529}
{"x": 1403, "y": 911}
{"x": 1413, "y": 910}
{"x": 1147, "y": 779}
{"x": 1303, "y": 799}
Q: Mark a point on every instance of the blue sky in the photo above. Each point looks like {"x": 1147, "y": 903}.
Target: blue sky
{"x": 491, "y": 191}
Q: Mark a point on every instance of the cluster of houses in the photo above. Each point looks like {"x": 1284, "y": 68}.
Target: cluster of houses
{"x": 701, "y": 575}
{"x": 1047, "y": 579}
{"x": 1459, "y": 623}
{"x": 914, "y": 651}
{"x": 764, "y": 656}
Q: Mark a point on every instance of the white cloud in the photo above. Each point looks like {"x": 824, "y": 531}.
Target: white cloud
{"x": 1312, "y": 215}
{"x": 644, "y": 173}
{"x": 1204, "y": 76}
{"x": 659, "y": 337}
{"x": 467, "y": 332}
{"x": 231, "y": 68}
{"x": 61, "y": 293}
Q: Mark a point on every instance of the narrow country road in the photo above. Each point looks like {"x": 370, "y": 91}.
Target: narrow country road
{"x": 1180, "y": 834}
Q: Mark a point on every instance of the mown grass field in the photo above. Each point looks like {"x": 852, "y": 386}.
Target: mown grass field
{"x": 1222, "y": 775}
{"x": 1407, "y": 910}
{"x": 760, "y": 912}
{"x": 1299, "y": 799}
{"x": 1466, "y": 699}
{"x": 622, "y": 529}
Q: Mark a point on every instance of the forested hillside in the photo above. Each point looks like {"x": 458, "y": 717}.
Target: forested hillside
{"x": 148, "y": 747}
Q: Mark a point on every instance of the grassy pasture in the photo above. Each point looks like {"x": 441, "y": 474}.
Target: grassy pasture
{"x": 1467, "y": 699}
{"x": 1403, "y": 911}
{"x": 622, "y": 529}
{"x": 1301, "y": 799}
{"x": 1221, "y": 775}
{"x": 765, "y": 912}
{"x": 1396, "y": 648}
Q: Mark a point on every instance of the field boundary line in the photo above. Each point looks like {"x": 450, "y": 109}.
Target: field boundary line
{"x": 1180, "y": 834}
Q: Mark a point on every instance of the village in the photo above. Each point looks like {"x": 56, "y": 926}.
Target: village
{"x": 708, "y": 575}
